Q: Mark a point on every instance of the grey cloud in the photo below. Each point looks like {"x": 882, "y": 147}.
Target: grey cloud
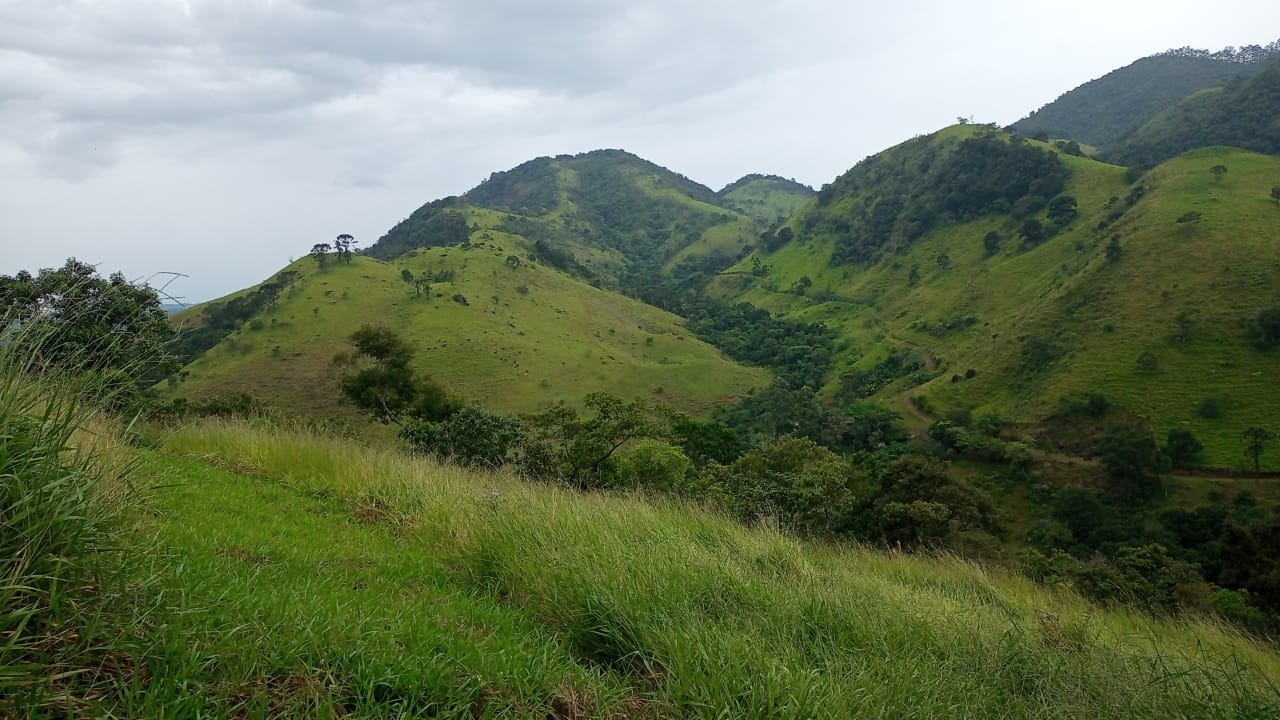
{"x": 103, "y": 73}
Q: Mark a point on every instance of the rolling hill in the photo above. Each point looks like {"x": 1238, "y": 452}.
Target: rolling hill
{"x": 1103, "y": 111}
{"x": 606, "y": 216}
{"x": 1244, "y": 113}
{"x": 512, "y": 338}
{"x": 768, "y": 199}
{"x": 1158, "y": 321}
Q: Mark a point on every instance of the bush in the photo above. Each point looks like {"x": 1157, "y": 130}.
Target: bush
{"x": 801, "y": 484}
{"x": 656, "y": 465}
{"x": 470, "y": 436}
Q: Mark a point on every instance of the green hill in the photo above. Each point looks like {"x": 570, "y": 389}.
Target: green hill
{"x": 606, "y": 216}
{"x": 1105, "y": 110}
{"x": 927, "y": 307}
{"x": 768, "y": 199}
{"x": 1245, "y": 113}
{"x": 512, "y": 338}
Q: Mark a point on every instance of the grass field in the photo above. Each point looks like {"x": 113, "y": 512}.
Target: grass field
{"x": 308, "y": 577}
{"x": 1181, "y": 293}
{"x": 526, "y": 338}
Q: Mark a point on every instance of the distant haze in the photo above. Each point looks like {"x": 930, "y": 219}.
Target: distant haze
{"x": 221, "y": 138}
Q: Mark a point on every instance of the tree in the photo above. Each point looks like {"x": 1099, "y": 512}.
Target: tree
{"x": 388, "y": 389}
{"x": 1133, "y": 460}
{"x": 1255, "y": 442}
{"x": 656, "y": 465}
{"x": 1062, "y": 210}
{"x": 513, "y": 261}
{"x": 1218, "y": 171}
{"x": 803, "y": 485}
{"x": 320, "y": 251}
{"x": 1275, "y": 193}
{"x": 1266, "y": 328}
{"x": 919, "y": 502}
{"x": 579, "y": 449}
{"x": 991, "y": 243}
{"x": 1114, "y": 251}
{"x": 1032, "y": 232}
{"x": 343, "y": 246}
{"x": 1182, "y": 448}
{"x": 706, "y": 441}
{"x": 84, "y": 323}
{"x": 470, "y": 436}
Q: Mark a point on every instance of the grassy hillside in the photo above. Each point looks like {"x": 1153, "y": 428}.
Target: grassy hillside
{"x": 1104, "y": 110}
{"x": 335, "y": 580}
{"x": 767, "y": 199}
{"x": 1244, "y": 113}
{"x": 526, "y": 337}
{"x": 1036, "y": 324}
{"x": 607, "y": 216}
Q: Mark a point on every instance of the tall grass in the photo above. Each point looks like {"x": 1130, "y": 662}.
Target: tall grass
{"x": 699, "y": 617}
{"x": 62, "y": 477}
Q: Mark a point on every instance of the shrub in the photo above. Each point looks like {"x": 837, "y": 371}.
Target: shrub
{"x": 470, "y": 436}
{"x": 656, "y": 465}
{"x": 803, "y": 485}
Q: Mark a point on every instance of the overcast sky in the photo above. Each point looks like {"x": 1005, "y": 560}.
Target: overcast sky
{"x": 220, "y": 138}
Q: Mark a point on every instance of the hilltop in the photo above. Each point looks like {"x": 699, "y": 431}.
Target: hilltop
{"x": 606, "y": 216}
{"x": 1240, "y": 114}
{"x": 1106, "y": 110}
{"x": 1144, "y": 293}
{"x": 768, "y": 199}
{"x": 547, "y": 256}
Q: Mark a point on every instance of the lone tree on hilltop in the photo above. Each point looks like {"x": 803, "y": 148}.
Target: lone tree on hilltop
{"x": 1255, "y": 442}
{"x": 343, "y": 246}
{"x": 320, "y": 251}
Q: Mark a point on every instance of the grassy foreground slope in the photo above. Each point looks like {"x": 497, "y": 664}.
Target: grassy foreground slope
{"x": 526, "y": 337}
{"x": 1157, "y": 329}
{"x": 338, "y": 580}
